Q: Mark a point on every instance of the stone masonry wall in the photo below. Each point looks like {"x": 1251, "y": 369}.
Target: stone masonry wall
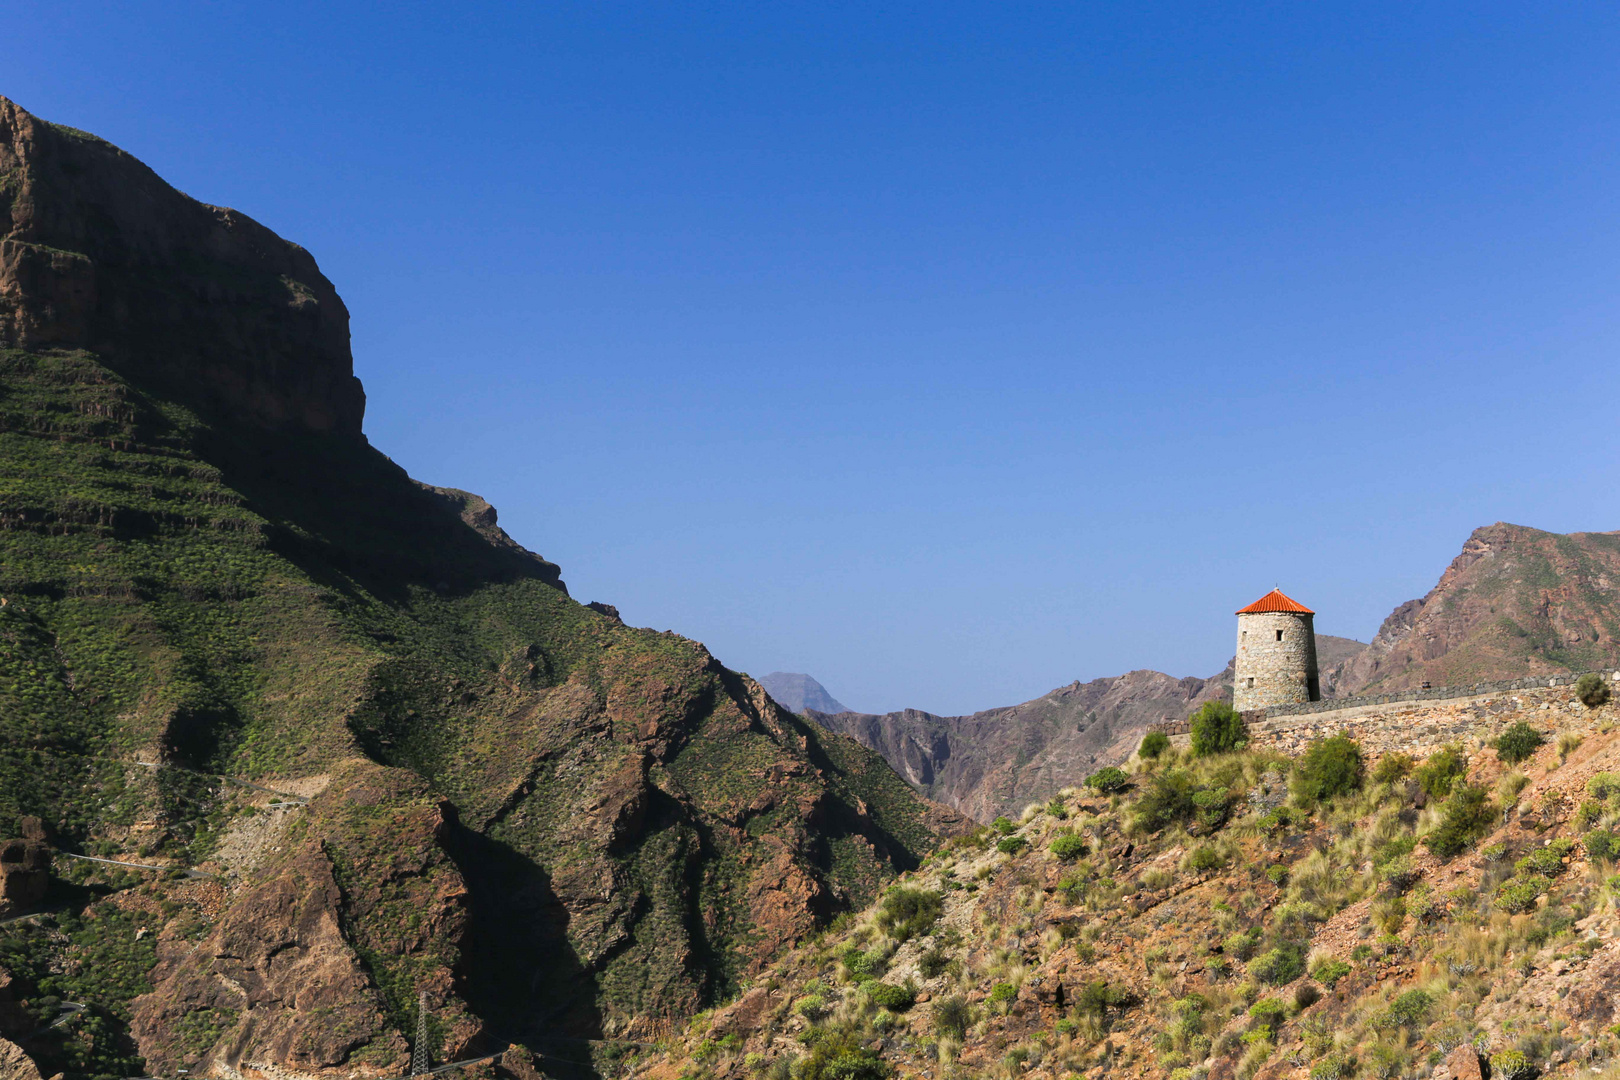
{"x": 1282, "y": 672}
{"x": 1419, "y": 725}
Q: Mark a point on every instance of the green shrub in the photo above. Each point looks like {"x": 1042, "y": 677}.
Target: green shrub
{"x": 1203, "y": 857}
{"x": 1547, "y": 861}
{"x": 1601, "y": 844}
{"x": 1587, "y": 815}
{"x": 1217, "y": 728}
{"x": 933, "y": 962}
{"x": 1277, "y": 874}
{"x": 1509, "y": 1065}
{"x": 907, "y": 913}
{"x": 1592, "y": 690}
{"x": 1612, "y": 883}
{"x": 813, "y": 1007}
{"x": 1067, "y": 847}
{"x": 1334, "y": 1066}
{"x": 1519, "y": 894}
{"x": 1392, "y": 767}
{"x": 1011, "y": 845}
{"x": 1328, "y": 768}
{"x": 1410, "y": 1007}
{"x": 1095, "y": 998}
{"x": 1108, "y": 780}
{"x": 1214, "y": 806}
{"x": 842, "y": 1057}
{"x": 1268, "y": 1012}
{"x": 1073, "y": 888}
{"x": 1057, "y": 809}
{"x": 1004, "y": 825}
{"x": 1002, "y": 991}
{"x": 1466, "y": 816}
{"x": 1442, "y": 769}
{"x": 1281, "y": 965}
{"x": 861, "y": 966}
{"x": 1604, "y": 786}
{"x": 1329, "y": 972}
{"x": 1154, "y": 743}
{"x": 1240, "y": 945}
{"x": 952, "y": 1015}
{"x": 888, "y": 996}
{"x": 1517, "y": 743}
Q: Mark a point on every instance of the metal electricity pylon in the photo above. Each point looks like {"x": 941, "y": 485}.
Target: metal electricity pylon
{"x": 420, "y": 1063}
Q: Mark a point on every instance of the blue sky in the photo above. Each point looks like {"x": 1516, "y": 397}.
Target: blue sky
{"x": 946, "y": 352}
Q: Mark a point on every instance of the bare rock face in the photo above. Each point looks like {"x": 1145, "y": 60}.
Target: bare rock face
{"x": 16, "y": 1065}
{"x": 1515, "y": 602}
{"x": 97, "y": 252}
{"x": 25, "y": 868}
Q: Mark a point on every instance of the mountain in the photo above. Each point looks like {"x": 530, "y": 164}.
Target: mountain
{"x": 1000, "y": 760}
{"x": 1515, "y": 602}
{"x": 473, "y": 791}
{"x": 1241, "y": 936}
{"x": 799, "y": 692}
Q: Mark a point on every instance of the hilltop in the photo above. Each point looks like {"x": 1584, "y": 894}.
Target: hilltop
{"x": 471, "y": 786}
{"x": 800, "y": 692}
{"x": 1243, "y": 915}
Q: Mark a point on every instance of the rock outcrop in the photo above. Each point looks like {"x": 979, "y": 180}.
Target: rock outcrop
{"x": 25, "y": 869}
{"x": 97, "y": 252}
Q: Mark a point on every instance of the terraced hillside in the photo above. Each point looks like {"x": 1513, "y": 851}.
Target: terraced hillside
{"x": 546, "y": 821}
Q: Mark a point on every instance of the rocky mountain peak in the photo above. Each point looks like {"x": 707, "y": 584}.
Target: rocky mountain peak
{"x": 98, "y": 253}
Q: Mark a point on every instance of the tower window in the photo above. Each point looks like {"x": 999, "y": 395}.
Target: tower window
{"x": 1251, "y": 682}
{"x": 1279, "y": 635}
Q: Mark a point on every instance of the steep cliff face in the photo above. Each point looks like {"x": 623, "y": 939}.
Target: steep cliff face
{"x": 97, "y": 252}
{"x": 1515, "y": 602}
{"x": 549, "y": 823}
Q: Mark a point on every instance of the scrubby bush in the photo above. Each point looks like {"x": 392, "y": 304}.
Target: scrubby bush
{"x": 1011, "y": 845}
{"x": 1277, "y": 966}
{"x": 1268, "y": 1012}
{"x": 933, "y": 963}
{"x": 1601, "y": 844}
{"x": 860, "y": 966}
{"x": 1592, "y": 690}
{"x": 952, "y": 1015}
{"x": 1510, "y": 1065}
{"x": 1547, "y": 861}
{"x": 1329, "y": 767}
{"x": 1217, "y": 728}
{"x": 1067, "y": 847}
{"x": 1441, "y": 770}
{"x": 1519, "y": 894}
{"x": 1392, "y": 767}
{"x": 1154, "y": 743}
{"x": 1277, "y": 874}
{"x": 1004, "y": 825}
{"x": 908, "y": 913}
{"x": 1410, "y": 1008}
{"x": 1517, "y": 743}
{"x": 1108, "y": 780}
{"x": 1465, "y": 817}
{"x": 1604, "y": 786}
{"x": 888, "y": 996}
{"x": 1240, "y": 945}
{"x": 1334, "y": 1066}
{"x": 1203, "y": 857}
{"x": 813, "y": 1007}
{"x": 1002, "y": 991}
{"x": 1095, "y": 998}
{"x": 1328, "y": 972}
{"x": 842, "y": 1057}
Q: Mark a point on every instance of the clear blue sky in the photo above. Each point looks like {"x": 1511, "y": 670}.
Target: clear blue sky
{"x": 946, "y": 352}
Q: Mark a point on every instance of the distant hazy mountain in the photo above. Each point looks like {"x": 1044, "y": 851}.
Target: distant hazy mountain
{"x": 800, "y": 692}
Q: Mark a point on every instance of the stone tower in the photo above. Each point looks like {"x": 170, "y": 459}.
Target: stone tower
{"x": 1276, "y": 654}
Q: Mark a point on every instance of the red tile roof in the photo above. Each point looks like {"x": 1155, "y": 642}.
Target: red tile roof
{"x": 1275, "y": 601}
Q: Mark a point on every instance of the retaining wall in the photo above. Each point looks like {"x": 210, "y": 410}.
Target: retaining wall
{"x": 1415, "y": 722}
